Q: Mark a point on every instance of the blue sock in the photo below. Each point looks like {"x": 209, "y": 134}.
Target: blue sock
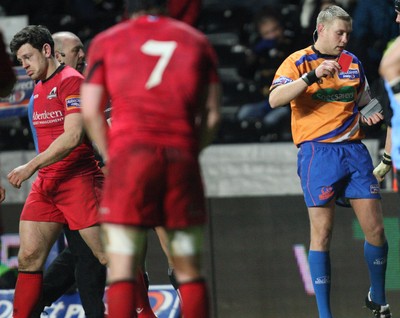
{"x": 376, "y": 257}
{"x": 320, "y": 268}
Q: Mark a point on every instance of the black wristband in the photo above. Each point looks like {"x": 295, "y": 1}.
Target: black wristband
{"x": 310, "y": 78}
{"x": 386, "y": 159}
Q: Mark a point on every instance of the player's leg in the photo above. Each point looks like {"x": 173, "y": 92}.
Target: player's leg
{"x": 184, "y": 216}
{"x": 58, "y": 278}
{"x": 163, "y": 238}
{"x": 186, "y": 250}
{"x": 186, "y": 247}
{"x": 79, "y": 203}
{"x": 125, "y": 247}
{"x": 370, "y": 217}
{"x": 90, "y": 275}
{"x": 36, "y": 240}
{"x": 91, "y": 236}
{"x": 321, "y": 227}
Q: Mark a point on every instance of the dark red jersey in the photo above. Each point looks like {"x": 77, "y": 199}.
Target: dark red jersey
{"x": 155, "y": 70}
{"x": 54, "y": 99}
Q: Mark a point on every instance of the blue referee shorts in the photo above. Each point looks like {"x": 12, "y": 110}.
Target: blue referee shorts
{"x": 335, "y": 171}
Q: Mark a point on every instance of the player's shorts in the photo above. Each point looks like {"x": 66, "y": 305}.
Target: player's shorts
{"x": 336, "y": 170}
{"x": 149, "y": 186}
{"x": 74, "y": 201}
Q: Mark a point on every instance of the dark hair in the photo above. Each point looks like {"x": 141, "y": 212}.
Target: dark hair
{"x": 268, "y": 13}
{"x": 35, "y": 35}
{"x": 397, "y": 5}
{"x": 133, "y": 6}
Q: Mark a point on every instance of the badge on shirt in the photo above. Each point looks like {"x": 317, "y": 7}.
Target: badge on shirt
{"x": 73, "y": 102}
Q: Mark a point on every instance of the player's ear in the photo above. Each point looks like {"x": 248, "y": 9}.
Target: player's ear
{"x": 46, "y": 50}
{"x": 58, "y": 56}
{"x": 320, "y": 28}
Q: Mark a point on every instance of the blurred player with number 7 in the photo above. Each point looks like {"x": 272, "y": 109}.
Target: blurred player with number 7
{"x": 159, "y": 73}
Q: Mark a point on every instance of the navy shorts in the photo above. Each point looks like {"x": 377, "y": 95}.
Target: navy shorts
{"x": 335, "y": 171}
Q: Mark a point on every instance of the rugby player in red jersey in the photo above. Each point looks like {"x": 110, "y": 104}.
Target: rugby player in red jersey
{"x": 158, "y": 73}
{"x": 68, "y": 186}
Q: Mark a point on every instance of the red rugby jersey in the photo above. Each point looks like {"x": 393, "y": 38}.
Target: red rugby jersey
{"x": 54, "y": 99}
{"x": 155, "y": 70}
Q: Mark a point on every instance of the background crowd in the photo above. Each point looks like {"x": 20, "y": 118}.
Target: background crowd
{"x": 251, "y": 39}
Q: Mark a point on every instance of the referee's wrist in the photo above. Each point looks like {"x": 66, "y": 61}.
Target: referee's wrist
{"x": 386, "y": 159}
{"x": 310, "y": 78}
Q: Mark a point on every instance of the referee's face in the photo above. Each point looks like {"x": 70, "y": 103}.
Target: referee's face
{"x": 335, "y": 36}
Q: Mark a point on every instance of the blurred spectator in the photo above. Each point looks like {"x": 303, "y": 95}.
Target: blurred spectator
{"x": 309, "y": 13}
{"x": 272, "y": 46}
{"x": 374, "y": 25}
{"x": 185, "y": 10}
{"x": 7, "y": 75}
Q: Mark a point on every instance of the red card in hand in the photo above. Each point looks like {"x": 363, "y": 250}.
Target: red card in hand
{"x": 345, "y": 61}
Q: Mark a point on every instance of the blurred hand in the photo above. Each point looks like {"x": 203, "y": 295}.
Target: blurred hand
{"x": 2, "y": 194}
{"x": 383, "y": 167}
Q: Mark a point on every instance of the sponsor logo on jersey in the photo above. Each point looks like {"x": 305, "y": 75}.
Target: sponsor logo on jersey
{"x": 35, "y": 96}
{"x": 344, "y": 94}
{"x": 326, "y": 193}
{"x": 282, "y": 80}
{"x": 53, "y": 93}
{"x": 351, "y": 74}
{"x": 73, "y": 101}
{"x": 46, "y": 117}
{"x": 322, "y": 280}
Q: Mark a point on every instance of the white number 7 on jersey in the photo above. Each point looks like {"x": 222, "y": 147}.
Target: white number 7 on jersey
{"x": 162, "y": 49}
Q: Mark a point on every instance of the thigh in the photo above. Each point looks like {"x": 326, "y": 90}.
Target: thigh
{"x": 91, "y": 235}
{"x": 76, "y": 243}
{"x": 36, "y": 240}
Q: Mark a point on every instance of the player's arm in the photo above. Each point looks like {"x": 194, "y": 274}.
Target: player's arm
{"x": 94, "y": 100}
{"x": 211, "y": 116}
{"x": 60, "y": 148}
{"x": 390, "y": 63}
{"x": 386, "y": 162}
{"x": 390, "y": 71}
{"x": 282, "y": 95}
{"x": 2, "y": 194}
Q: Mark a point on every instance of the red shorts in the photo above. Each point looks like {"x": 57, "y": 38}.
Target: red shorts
{"x": 73, "y": 201}
{"x": 150, "y": 186}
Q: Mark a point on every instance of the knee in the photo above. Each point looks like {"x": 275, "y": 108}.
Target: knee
{"x": 376, "y": 235}
{"x": 30, "y": 260}
{"x": 102, "y": 257}
{"x": 187, "y": 243}
{"x": 321, "y": 239}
